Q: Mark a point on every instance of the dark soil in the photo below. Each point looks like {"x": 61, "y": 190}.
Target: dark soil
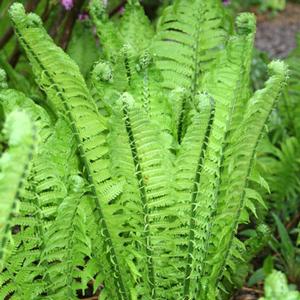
{"x": 276, "y": 34}
{"x": 248, "y": 294}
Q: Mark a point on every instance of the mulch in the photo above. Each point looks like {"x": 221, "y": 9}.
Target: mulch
{"x": 276, "y": 34}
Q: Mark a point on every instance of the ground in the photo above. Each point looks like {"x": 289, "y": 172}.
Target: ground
{"x": 276, "y": 35}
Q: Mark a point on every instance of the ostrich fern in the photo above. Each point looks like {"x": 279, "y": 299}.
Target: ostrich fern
{"x": 141, "y": 176}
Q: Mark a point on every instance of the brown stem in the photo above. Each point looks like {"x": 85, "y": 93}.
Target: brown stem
{"x": 252, "y": 290}
{"x": 294, "y": 221}
{"x": 68, "y": 28}
{"x": 46, "y": 12}
{"x": 57, "y": 23}
{"x": 64, "y": 41}
{"x": 67, "y": 32}
{"x": 6, "y": 37}
{"x": 31, "y": 5}
{"x": 14, "y": 58}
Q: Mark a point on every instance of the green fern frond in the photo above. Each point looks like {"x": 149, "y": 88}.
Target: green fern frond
{"x": 21, "y": 135}
{"x": 139, "y": 158}
{"x": 283, "y": 170}
{"x": 46, "y": 176}
{"x": 19, "y": 266}
{"x": 224, "y": 85}
{"x": 67, "y": 244}
{"x": 188, "y": 39}
{"x": 240, "y": 154}
{"x": 44, "y": 190}
{"x": 134, "y": 29}
{"x": 189, "y": 164}
{"x": 67, "y": 90}
{"x": 110, "y": 37}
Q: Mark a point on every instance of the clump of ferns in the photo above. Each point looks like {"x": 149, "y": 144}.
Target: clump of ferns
{"x": 142, "y": 175}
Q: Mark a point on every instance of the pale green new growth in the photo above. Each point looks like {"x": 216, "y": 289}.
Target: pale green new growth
{"x": 142, "y": 176}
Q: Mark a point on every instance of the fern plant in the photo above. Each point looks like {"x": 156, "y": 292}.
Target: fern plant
{"x": 142, "y": 173}
{"x": 279, "y": 159}
{"x": 276, "y": 288}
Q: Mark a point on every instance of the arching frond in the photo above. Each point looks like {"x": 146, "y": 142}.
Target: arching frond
{"x": 188, "y": 166}
{"x": 239, "y": 158}
{"x": 138, "y": 156}
{"x": 225, "y": 86}
{"x": 68, "y": 245}
{"x": 188, "y": 39}
{"x": 44, "y": 189}
{"x": 66, "y": 88}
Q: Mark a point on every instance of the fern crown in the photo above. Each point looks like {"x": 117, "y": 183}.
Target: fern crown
{"x": 143, "y": 170}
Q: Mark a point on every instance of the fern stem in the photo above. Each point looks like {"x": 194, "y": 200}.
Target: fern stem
{"x": 143, "y": 195}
